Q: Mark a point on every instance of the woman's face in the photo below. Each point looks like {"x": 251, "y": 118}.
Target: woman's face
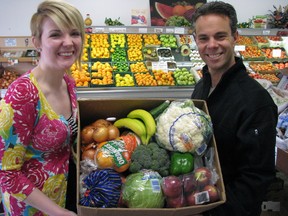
{"x": 60, "y": 49}
{"x": 215, "y": 42}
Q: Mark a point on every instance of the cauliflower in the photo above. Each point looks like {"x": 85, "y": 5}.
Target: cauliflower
{"x": 183, "y": 127}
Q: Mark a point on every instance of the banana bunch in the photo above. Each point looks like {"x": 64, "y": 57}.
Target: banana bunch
{"x": 141, "y": 122}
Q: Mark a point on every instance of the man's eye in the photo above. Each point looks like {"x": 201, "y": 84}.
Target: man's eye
{"x": 202, "y": 39}
{"x": 220, "y": 37}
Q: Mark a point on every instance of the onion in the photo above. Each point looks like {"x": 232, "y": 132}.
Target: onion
{"x": 101, "y": 122}
{"x": 113, "y": 132}
{"x": 89, "y": 154}
{"x": 87, "y": 134}
{"x": 100, "y": 134}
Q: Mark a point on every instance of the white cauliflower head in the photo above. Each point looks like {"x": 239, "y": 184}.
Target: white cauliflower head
{"x": 184, "y": 128}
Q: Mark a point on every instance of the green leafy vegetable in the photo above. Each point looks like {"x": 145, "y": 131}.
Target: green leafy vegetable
{"x": 143, "y": 190}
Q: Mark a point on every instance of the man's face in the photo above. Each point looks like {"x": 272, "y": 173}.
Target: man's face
{"x": 215, "y": 42}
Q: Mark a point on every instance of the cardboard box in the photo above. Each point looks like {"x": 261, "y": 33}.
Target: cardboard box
{"x": 91, "y": 110}
{"x": 282, "y": 161}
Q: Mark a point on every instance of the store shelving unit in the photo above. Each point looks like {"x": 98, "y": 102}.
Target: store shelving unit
{"x": 135, "y": 92}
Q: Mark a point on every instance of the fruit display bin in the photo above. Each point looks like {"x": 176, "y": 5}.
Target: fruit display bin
{"x": 91, "y": 109}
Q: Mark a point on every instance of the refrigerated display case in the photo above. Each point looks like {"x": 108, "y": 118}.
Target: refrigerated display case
{"x": 25, "y": 62}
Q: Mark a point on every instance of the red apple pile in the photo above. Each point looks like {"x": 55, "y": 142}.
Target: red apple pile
{"x": 190, "y": 189}
{"x": 198, "y": 187}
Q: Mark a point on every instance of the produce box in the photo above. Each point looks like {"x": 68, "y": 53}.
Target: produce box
{"x": 275, "y": 41}
{"x": 282, "y": 161}
{"x": 262, "y": 67}
{"x": 92, "y": 109}
{"x": 261, "y": 41}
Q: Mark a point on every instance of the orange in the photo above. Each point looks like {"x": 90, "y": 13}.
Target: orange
{"x": 104, "y": 159}
{"x": 122, "y": 168}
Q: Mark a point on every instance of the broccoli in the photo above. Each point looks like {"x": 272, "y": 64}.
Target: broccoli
{"x": 150, "y": 156}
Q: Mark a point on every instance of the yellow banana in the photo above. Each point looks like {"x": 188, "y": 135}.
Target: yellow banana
{"x": 148, "y": 120}
{"x": 134, "y": 125}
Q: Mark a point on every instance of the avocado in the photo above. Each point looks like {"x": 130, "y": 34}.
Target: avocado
{"x": 185, "y": 50}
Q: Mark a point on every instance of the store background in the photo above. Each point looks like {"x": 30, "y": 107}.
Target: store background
{"x": 15, "y": 14}
{"x": 15, "y": 18}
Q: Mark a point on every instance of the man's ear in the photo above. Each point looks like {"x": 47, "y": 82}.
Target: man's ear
{"x": 235, "y": 36}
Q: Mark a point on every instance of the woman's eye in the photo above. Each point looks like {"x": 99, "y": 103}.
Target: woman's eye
{"x": 76, "y": 33}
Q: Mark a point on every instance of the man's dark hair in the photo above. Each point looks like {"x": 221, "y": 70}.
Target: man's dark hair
{"x": 220, "y": 8}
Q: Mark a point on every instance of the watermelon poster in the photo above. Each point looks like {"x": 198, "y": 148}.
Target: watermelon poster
{"x": 173, "y": 13}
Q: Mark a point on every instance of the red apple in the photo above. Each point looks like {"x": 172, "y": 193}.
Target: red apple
{"x": 191, "y": 198}
{"x": 202, "y": 176}
{"x": 213, "y": 192}
{"x": 189, "y": 183}
{"x": 172, "y": 186}
{"x": 175, "y": 202}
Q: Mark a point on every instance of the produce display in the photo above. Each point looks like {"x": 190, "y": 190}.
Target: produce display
{"x": 124, "y": 162}
{"x": 6, "y": 78}
{"x": 128, "y": 60}
{"x": 131, "y": 60}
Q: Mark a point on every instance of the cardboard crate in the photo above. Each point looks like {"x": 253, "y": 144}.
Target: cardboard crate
{"x": 91, "y": 110}
{"x": 282, "y": 161}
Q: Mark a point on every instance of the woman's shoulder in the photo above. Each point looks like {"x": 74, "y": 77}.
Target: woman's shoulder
{"x": 22, "y": 87}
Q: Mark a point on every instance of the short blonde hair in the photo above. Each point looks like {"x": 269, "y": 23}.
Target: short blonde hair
{"x": 63, "y": 14}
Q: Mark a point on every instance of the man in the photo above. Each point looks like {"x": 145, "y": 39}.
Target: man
{"x": 243, "y": 114}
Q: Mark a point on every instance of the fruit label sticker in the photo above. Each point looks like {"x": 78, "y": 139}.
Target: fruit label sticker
{"x": 115, "y": 148}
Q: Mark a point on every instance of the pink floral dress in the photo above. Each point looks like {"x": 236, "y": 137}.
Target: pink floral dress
{"x": 34, "y": 145}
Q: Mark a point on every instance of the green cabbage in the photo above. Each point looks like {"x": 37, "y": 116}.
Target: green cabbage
{"x": 143, "y": 190}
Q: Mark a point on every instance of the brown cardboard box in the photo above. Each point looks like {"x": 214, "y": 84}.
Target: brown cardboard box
{"x": 91, "y": 110}
{"x": 282, "y": 161}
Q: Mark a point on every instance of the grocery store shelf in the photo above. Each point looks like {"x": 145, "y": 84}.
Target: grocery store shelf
{"x": 140, "y": 30}
{"x": 134, "y": 92}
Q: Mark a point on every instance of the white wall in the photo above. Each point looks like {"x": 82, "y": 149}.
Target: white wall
{"x": 15, "y": 14}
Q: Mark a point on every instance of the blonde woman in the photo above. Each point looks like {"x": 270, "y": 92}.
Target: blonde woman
{"x": 38, "y": 117}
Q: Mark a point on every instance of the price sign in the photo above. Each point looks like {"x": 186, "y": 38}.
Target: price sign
{"x": 276, "y": 53}
{"x": 266, "y": 32}
{"x": 239, "y": 48}
{"x": 10, "y": 42}
{"x": 161, "y": 65}
{"x": 117, "y": 30}
{"x": 179, "y": 30}
{"x": 143, "y": 30}
{"x": 98, "y": 30}
{"x": 170, "y": 30}
{"x": 158, "y": 30}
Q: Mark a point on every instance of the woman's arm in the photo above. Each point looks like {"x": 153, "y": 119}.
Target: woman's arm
{"x": 40, "y": 201}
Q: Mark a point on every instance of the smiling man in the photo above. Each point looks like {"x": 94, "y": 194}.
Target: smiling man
{"x": 243, "y": 113}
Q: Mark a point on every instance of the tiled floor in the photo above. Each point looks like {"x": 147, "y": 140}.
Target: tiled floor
{"x": 278, "y": 197}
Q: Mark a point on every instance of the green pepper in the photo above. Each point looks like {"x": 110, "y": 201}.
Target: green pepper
{"x": 181, "y": 163}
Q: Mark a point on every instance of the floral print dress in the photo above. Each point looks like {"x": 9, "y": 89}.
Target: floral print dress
{"x": 34, "y": 145}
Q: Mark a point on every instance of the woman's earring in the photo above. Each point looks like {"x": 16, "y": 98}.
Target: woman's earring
{"x": 39, "y": 49}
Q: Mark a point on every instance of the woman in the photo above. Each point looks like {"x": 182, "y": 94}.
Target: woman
{"x": 38, "y": 117}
